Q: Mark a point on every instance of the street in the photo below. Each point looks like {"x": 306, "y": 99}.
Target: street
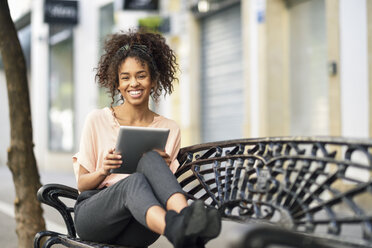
{"x": 54, "y": 221}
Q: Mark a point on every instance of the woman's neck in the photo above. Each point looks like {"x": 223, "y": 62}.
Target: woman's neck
{"x": 130, "y": 115}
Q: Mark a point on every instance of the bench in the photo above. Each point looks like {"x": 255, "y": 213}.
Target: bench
{"x": 289, "y": 191}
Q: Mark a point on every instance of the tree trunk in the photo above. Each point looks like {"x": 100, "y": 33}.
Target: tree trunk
{"x": 21, "y": 158}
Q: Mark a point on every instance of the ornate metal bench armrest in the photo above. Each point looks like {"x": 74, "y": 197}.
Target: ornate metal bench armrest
{"x": 50, "y": 194}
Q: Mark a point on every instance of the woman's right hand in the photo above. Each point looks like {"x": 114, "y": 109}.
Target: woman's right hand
{"x": 111, "y": 161}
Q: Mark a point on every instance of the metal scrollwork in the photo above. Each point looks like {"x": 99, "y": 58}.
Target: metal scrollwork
{"x": 318, "y": 185}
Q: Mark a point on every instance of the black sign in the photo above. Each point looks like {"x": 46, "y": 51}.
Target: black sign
{"x": 61, "y": 12}
{"x": 141, "y": 4}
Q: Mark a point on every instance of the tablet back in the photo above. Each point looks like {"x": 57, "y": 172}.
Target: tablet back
{"x": 132, "y": 142}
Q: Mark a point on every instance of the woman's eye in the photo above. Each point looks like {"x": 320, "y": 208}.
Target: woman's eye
{"x": 125, "y": 78}
{"x": 142, "y": 76}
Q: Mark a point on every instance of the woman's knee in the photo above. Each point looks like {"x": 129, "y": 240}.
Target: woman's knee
{"x": 151, "y": 155}
{"x": 137, "y": 178}
{"x": 133, "y": 186}
{"x": 148, "y": 160}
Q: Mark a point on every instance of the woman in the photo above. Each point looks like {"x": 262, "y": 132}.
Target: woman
{"x": 133, "y": 210}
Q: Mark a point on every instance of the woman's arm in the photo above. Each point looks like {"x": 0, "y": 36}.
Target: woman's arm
{"x": 91, "y": 180}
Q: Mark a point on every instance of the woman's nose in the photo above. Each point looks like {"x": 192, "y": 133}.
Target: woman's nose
{"x": 133, "y": 83}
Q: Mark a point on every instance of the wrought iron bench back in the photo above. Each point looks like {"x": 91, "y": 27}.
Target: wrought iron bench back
{"x": 320, "y": 186}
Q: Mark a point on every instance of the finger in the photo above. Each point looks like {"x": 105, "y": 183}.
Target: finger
{"x": 113, "y": 156}
{"x": 166, "y": 155}
{"x": 109, "y": 167}
{"x": 112, "y": 161}
{"x": 159, "y": 151}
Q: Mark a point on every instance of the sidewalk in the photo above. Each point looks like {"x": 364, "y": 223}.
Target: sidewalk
{"x": 54, "y": 221}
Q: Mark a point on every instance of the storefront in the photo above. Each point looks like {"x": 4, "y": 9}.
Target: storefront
{"x": 222, "y": 86}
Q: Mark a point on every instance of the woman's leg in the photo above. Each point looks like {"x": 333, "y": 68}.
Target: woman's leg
{"x": 155, "y": 219}
{"x": 176, "y": 202}
{"x": 105, "y": 215}
{"x": 164, "y": 184}
{"x": 136, "y": 235}
{"x": 165, "y": 187}
{"x": 184, "y": 226}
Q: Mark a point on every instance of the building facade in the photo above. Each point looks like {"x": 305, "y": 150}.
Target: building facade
{"x": 248, "y": 68}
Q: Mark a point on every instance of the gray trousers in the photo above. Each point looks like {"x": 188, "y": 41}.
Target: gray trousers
{"x": 117, "y": 214}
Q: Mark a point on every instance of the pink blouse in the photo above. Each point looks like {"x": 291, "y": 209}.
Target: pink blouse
{"x": 99, "y": 136}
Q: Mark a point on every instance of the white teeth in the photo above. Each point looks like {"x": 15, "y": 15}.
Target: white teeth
{"x": 134, "y": 92}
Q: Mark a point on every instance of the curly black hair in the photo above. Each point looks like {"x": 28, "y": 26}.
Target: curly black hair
{"x": 149, "y": 48}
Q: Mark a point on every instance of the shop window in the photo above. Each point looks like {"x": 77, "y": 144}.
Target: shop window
{"x": 24, "y": 36}
{"x": 61, "y": 89}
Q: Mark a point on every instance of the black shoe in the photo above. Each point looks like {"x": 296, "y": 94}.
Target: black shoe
{"x": 213, "y": 228}
{"x": 184, "y": 229}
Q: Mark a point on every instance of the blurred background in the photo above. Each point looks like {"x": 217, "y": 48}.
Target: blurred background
{"x": 248, "y": 68}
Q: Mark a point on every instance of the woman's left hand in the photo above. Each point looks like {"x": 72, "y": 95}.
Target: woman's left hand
{"x": 165, "y": 156}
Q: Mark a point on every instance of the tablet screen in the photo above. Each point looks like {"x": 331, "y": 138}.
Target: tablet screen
{"x": 133, "y": 142}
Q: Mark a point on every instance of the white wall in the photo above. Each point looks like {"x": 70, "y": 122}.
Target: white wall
{"x": 39, "y": 79}
{"x": 19, "y": 7}
{"x": 85, "y": 60}
{"x": 256, "y": 6}
{"x": 354, "y": 68}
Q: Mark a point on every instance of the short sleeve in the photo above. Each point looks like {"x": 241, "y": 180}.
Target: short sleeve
{"x": 86, "y": 156}
{"x": 173, "y": 147}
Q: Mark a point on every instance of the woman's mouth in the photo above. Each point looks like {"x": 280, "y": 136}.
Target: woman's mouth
{"x": 135, "y": 93}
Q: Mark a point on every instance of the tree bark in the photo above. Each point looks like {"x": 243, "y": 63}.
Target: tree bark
{"x": 21, "y": 158}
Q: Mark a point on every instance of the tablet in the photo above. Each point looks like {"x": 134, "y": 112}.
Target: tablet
{"x": 133, "y": 142}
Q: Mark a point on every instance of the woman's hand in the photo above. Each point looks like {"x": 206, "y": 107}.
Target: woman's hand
{"x": 111, "y": 161}
{"x": 91, "y": 180}
{"x": 164, "y": 155}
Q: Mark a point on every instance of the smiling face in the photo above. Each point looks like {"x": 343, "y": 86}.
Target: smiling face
{"x": 135, "y": 82}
